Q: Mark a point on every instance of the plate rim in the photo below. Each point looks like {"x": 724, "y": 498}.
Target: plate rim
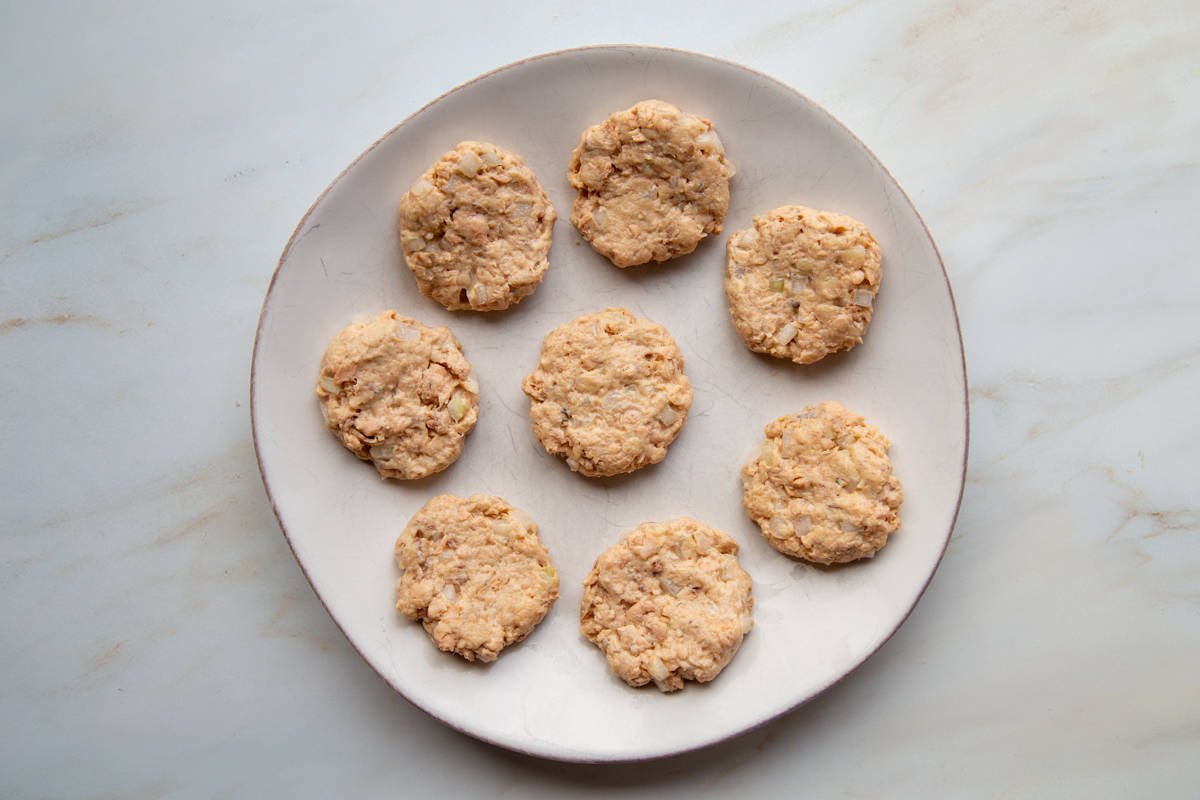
{"x": 962, "y": 363}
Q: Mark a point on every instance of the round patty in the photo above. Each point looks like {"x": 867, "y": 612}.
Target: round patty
{"x": 821, "y": 487}
{"x": 668, "y": 603}
{"x": 475, "y": 573}
{"x": 609, "y": 393}
{"x": 398, "y": 394}
{"x": 652, "y": 180}
{"x": 475, "y": 229}
{"x": 801, "y": 283}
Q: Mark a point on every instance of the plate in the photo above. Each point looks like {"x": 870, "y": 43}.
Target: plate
{"x": 552, "y": 695}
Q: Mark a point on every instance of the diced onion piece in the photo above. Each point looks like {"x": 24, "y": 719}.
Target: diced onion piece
{"x": 459, "y": 405}
{"x": 749, "y": 238}
{"x": 613, "y": 399}
{"x": 477, "y": 294}
{"x": 329, "y": 384}
{"x": 522, "y": 518}
{"x": 421, "y": 188}
{"x": 491, "y": 158}
{"x": 802, "y": 525}
{"x": 855, "y": 256}
{"x": 767, "y": 455}
{"x": 595, "y": 139}
{"x": 406, "y": 332}
{"x": 382, "y": 452}
{"x": 668, "y": 416}
{"x": 841, "y": 461}
{"x": 710, "y": 139}
{"x": 645, "y": 547}
{"x": 786, "y": 334}
{"x": 469, "y": 165}
{"x": 863, "y": 297}
{"x": 776, "y": 284}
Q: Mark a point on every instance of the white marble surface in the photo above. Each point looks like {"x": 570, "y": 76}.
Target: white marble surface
{"x": 159, "y": 638}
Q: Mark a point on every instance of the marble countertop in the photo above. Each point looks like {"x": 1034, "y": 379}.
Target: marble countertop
{"x": 160, "y": 639}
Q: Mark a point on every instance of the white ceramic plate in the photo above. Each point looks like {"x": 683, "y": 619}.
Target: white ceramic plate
{"x": 552, "y": 695}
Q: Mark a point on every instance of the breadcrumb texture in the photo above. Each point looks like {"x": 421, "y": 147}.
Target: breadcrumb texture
{"x": 652, "y": 181}
{"x": 398, "y": 394}
{"x": 668, "y": 603}
{"x": 609, "y": 393}
{"x": 475, "y": 573}
{"x": 821, "y": 487}
{"x": 801, "y": 283}
{"x": 475, "y": 229}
